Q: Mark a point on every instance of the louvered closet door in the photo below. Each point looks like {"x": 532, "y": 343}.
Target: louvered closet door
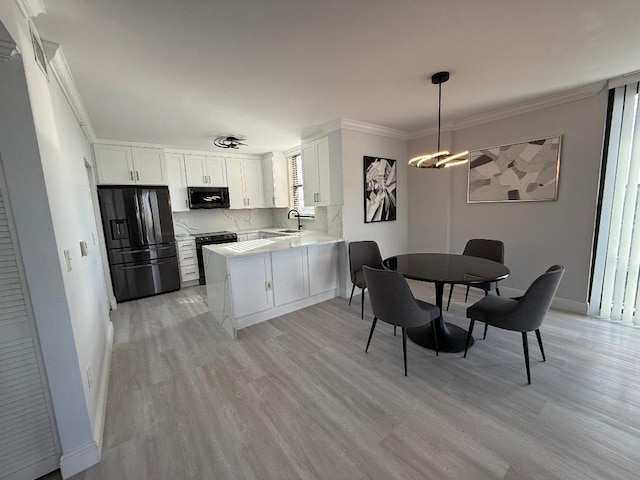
{"x": 28, "y": 441}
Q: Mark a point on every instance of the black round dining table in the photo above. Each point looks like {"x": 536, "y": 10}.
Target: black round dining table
{"x": 441, "y": 269}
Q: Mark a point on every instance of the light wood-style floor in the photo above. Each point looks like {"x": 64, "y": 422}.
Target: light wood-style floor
{"x": 297, "y": 398}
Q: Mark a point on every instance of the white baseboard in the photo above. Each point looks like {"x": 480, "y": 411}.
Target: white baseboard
{"x": 558, "y": 303}
{"x": 80, "y": 459}
{"x": 90, "y": 454}
{"x": 104, "y": 389}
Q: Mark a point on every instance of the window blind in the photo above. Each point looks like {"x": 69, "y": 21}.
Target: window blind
{"x": 617, "y": 262}
{"x": 297, "y": 185}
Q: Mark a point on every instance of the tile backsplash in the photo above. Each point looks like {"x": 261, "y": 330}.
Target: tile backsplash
{"x": 206, "y": 221}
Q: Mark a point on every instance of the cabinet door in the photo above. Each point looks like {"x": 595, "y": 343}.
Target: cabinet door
{"x": 323, "y": 268}
{"x": 253, "y": 183}
{"x": 289, "y": 276}
{"x": 275, "y": 169}
{"x": 324, "y": 173}
{"x": 216, "y": 171}
{"x": 267, "y": 173}
{"x": 194, "y": 167}
{"x": 310, "y": 173}
{"x": 236, "y": 184}
{"x": 149, "y": 166}
{"x": 251, "y": 284}
{"x": 114, "y": 165}
{"x": 177, "y": 182}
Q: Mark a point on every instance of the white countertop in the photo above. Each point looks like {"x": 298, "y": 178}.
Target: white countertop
{"x": 267, "y": 245}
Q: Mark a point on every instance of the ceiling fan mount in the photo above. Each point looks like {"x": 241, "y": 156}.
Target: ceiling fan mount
{"x": 229, "y": 141}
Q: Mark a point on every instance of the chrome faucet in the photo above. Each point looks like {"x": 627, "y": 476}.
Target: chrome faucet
{"x": 298, "y": 216}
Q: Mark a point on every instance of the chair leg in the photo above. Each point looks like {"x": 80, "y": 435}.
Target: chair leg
{"x": 498, "y": 291}
{"x": 362, "y": 306}
{"x": 352, "y": 290}
{"x": 373, "y": 326}
{"x": 525, "y": 346}
{"x": 450, "y": 292}
{"x": 435, "y": 336}
{"x": 394, "y": 330}
{"x": 466, "y": 345}
{"x": 544, "y": 359}
{"x": 466, "y": 295}
{"x": 486, "y": 327}
{"x": 404, "y": 349}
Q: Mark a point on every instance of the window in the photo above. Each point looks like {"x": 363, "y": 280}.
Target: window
{"x": 297, "y": 187}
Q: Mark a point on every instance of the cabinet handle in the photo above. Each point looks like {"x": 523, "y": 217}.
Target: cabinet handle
{"x": 318, "y": 200}
{"x": 204, "y": 179}
{"x": 190, "y": 273}
{"x": 273, "y": 199}
{"x": 137, "y": 175}
{"x": 186, "y": 203}
{"x": 209, "y": 177}
{"x": 131, "y": 175}
{"x": 248, "y": 201}
{"x": 188, "y": 258}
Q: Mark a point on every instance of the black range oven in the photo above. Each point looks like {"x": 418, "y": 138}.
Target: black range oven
{"x": 211, "y": 239}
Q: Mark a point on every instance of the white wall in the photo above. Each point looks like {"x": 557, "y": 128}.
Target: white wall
{"x": 392, "y": 237}
{"x": 43, "y": 152}
{"x": 536, "y": 234}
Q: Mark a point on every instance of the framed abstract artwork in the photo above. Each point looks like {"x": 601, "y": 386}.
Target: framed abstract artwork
{"x": 520, "y": 172}
{"x": 379, "y": 189}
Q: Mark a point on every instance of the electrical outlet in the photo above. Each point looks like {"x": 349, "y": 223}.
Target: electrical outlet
{"x": 67, "y": 258}
{"x": 89, "y": 376}
{"x": 84, "y": 250}
{"x": 268, "y": 285}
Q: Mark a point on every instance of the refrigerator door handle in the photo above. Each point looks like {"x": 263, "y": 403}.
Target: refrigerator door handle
{"x": 146, "y": 265}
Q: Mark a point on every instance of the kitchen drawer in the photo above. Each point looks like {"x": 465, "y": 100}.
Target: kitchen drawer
{"x": 189, "y": 273}
{"x": 188, "y": 257}
{"x": 186, "y": 245}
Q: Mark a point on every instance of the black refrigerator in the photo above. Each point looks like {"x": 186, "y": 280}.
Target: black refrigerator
{"x": 138, "y": 230}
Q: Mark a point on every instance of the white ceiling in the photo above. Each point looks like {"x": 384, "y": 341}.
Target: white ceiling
{"x": 178, "y": 72}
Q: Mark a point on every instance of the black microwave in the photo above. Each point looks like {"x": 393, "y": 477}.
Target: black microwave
{"x": 208, "y": 197}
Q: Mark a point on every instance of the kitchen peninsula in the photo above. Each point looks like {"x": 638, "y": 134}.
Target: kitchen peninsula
{"x": 253, "y": 281}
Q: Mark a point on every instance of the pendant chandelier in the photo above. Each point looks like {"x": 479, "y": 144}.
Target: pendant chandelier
{"x": 441, "y": 158}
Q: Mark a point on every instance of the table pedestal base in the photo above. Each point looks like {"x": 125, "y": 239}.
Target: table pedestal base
{"x": 451, "y": 338}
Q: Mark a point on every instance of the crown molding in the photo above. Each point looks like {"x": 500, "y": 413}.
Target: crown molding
{"x": 355, "y": 125}
{"x": 60, "y": 68}
{"x": 30, "y": 8}
{"x": 625, "y": 79}
{"x": 540, "y": 103}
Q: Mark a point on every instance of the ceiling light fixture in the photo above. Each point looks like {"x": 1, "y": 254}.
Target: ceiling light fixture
{"x": 441, "y": 158}
{"x": 228, "y": 142}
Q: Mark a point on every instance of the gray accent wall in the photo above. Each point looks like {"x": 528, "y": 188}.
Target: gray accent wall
{"x": 536, "y": 234}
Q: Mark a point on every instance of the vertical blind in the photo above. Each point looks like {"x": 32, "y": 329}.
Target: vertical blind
{"x": 297, "y": 184}
{"x": 617, "y": 263}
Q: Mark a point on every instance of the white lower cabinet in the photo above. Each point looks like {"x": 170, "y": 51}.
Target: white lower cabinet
{"x": 188, "y": 260}
{"x": 251, "y": 284}
{"x": 290, "y": 278}
{"x": 323, "y": 268}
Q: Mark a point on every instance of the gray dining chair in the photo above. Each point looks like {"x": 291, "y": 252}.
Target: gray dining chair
{"x": 483, "y": 248}
{"x": 522, "y": 314}
{"x": 365, "y": 252}
{"x": 393, "y": 302}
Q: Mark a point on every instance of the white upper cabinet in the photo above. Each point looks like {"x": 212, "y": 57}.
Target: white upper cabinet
{"x": 124, "y": 165}
{"x": 177, "y": 182}
{"x": 322, "y": 173}
{"x": 246, "y": 186}
{"x": 276, "y": 180}
{"x": 205, "y": 171}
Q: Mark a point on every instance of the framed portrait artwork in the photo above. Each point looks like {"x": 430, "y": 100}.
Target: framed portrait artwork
{"x": 520, "y": 172}
{"x": 379, "y": 189}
